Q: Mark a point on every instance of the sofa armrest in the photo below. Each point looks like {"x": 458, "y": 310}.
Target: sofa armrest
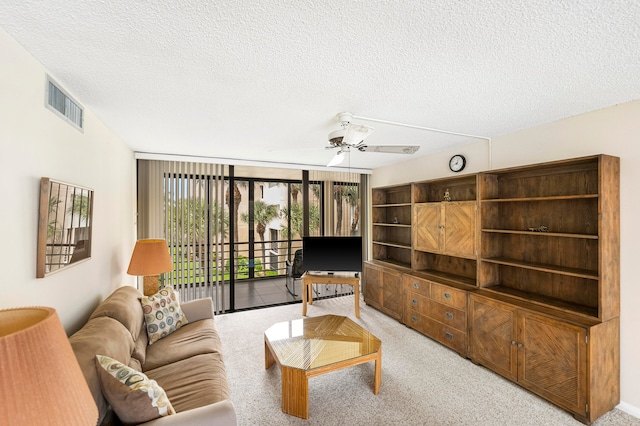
{"x": 221, "y": 413}
{"x": 198, "y": 309}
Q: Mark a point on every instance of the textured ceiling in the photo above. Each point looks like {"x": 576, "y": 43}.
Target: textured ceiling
{"x": 263, "y": 80}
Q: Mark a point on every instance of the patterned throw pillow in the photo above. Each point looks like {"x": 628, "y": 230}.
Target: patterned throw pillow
{"x": 162, "y": 314}
{"x": 133, "y": 396}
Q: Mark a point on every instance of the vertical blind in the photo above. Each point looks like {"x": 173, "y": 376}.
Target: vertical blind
{"x": 184, "y": 203}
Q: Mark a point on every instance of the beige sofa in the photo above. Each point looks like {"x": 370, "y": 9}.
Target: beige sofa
{"x": 187, "y": 364}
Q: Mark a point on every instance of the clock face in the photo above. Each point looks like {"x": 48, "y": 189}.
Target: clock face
{"x": 457, "y": 163}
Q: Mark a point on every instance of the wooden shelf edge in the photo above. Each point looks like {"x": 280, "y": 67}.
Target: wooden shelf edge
{"x": 577, "y": 314}
{"x": 540, "y": 234}
{"x": 392, "y": 205}
{"x": 572, "y": 272}
{"x": 397, "y": 225}
{"x": 547, "y": 198}
{"x": 396, "y": 245}
{"x": 399, "y": 266}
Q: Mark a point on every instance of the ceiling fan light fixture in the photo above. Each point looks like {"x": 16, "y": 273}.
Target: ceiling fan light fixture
{"x": 336, "y": 137}
{"x": 337, "y": 159}
{"x": 356, "y": 133}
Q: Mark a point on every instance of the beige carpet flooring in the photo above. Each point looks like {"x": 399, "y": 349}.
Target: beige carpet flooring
{"x": 423, "y": 383}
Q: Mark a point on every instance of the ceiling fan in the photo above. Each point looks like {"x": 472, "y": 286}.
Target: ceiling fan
{"x": 353, "y": 135}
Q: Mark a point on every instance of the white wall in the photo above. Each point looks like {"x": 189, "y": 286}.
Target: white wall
{"x": 614, "y": 131}
{"x": 36, "y": 143}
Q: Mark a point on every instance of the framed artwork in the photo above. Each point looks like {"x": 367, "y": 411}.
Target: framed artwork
{"x": 64, "y": 226}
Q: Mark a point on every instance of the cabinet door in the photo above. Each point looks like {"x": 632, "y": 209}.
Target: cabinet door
{"x": 460, "y": 229}
{"x": 427, "y": 227}
{"x": 392, "y": 293}
{"x": 492, "y": 335}
{"x": 372, "y": 280}
{"x": 552, "y": 361}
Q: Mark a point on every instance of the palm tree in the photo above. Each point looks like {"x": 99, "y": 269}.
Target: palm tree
{"x": 352, "y": 196}
{"x": 297, "y": 220}
{"x": 237, "y": 198}
{"x": 338, "y": 193}
{"x": 263, "y": 213}
{"x": 295, "y": 189}
{"x": 349, "y": 193}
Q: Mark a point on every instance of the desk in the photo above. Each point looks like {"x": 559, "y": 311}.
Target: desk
{"x": 338, "y": 278}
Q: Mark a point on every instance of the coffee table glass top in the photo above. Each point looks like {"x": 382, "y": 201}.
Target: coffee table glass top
{"x": 315, "y": 342}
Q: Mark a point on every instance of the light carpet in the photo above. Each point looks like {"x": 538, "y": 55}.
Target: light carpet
{"x": 423, "y": 382}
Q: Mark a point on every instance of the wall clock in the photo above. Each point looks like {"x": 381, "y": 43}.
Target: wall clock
{"x": 457, "y": 163}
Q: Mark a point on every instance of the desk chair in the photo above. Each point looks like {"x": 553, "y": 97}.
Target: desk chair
{"x": 294, "y": 272}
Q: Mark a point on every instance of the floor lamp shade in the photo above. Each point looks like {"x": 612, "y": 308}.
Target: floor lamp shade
{"x": 40, "y": 379}
{"x": 149, "y": 259}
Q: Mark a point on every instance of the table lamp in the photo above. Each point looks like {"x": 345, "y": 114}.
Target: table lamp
{"x": 40, "y": 379}
{"x": 149, "y": 259}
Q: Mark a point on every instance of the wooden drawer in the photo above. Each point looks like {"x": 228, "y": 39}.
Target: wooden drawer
{"x": 449, "y": 296}
{"x": 448, "y": 336}
{"x": 447, "y": 315}
{"x": 416, "y": 285}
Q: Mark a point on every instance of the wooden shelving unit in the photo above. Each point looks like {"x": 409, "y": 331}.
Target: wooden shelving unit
{"x": 518, "y": 269}
{"x": 391, "y": 225}
{"x": 445, "y": 235}
{"x": 551, "y": 232}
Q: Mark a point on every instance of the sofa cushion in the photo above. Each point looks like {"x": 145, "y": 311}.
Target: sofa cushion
{"x": 123, "y": 305}
{"x": 102, "y": 335}
{"x": 195, "y": 338}
{"x": 193, "y": 382}
{"x": 162, "y": 314}
{"x": 133, "y": 396}
{"x": 140, "y": 349}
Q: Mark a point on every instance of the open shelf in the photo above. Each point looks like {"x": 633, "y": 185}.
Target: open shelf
{"x": 573, "y": 272}
{"x": 550, "y": 198}
{"x": 544, "y": 301}
{"x": 541, "y": 234}
{"x": 388, "y": 244}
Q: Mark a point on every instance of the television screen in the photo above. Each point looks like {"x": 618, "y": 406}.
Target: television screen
{"x": 332, "y": 254}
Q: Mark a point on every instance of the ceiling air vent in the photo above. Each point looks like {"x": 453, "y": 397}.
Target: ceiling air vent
{"x": 63, "y": 105}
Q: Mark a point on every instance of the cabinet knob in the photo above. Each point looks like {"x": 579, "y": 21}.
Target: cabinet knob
{"x": 414, "y": 318}
{"x": 448, "y": 335}
{"x": 447, "y": 295}
{"x": 416, "y": 285}
{"x": 513, "y": 342}
{"x": 414, "y": 301}
{"x": 449, "y": 315}
{"x": 519, "y": 345}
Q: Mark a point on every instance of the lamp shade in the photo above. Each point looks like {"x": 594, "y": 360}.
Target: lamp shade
{"x": 150, "y": 257}
{"x": 41, "y": 382}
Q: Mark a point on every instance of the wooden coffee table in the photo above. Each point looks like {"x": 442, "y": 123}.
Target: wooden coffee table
{"x": 309, "y": 347}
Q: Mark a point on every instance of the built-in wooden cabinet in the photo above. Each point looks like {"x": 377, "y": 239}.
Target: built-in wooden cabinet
{"x": 558, "y": 359}
{"x": 535, "y": 251}
{"x": 445, "y": 228}
{"x": 436, "y": 310}
{"x": 383, "y": 289}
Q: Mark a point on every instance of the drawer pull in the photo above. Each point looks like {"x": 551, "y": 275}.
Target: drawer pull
{"x": 416, "y": 285}
{"x": 414, "y": 301}
{"x": 447, "y": 295}
{"x": 513, "y": 342}
{"x": 449, "y": 315}
{"x": 448, "y": 335}
{"x": 414, "y": 318}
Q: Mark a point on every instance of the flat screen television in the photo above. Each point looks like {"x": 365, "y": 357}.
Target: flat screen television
{"x": 332, "y": 254}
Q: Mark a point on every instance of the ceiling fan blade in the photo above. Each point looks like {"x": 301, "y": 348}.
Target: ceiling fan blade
{"x": 392, "y": 149}
{"x": 337, "y": 159}
{"x": 356, "y": 133}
